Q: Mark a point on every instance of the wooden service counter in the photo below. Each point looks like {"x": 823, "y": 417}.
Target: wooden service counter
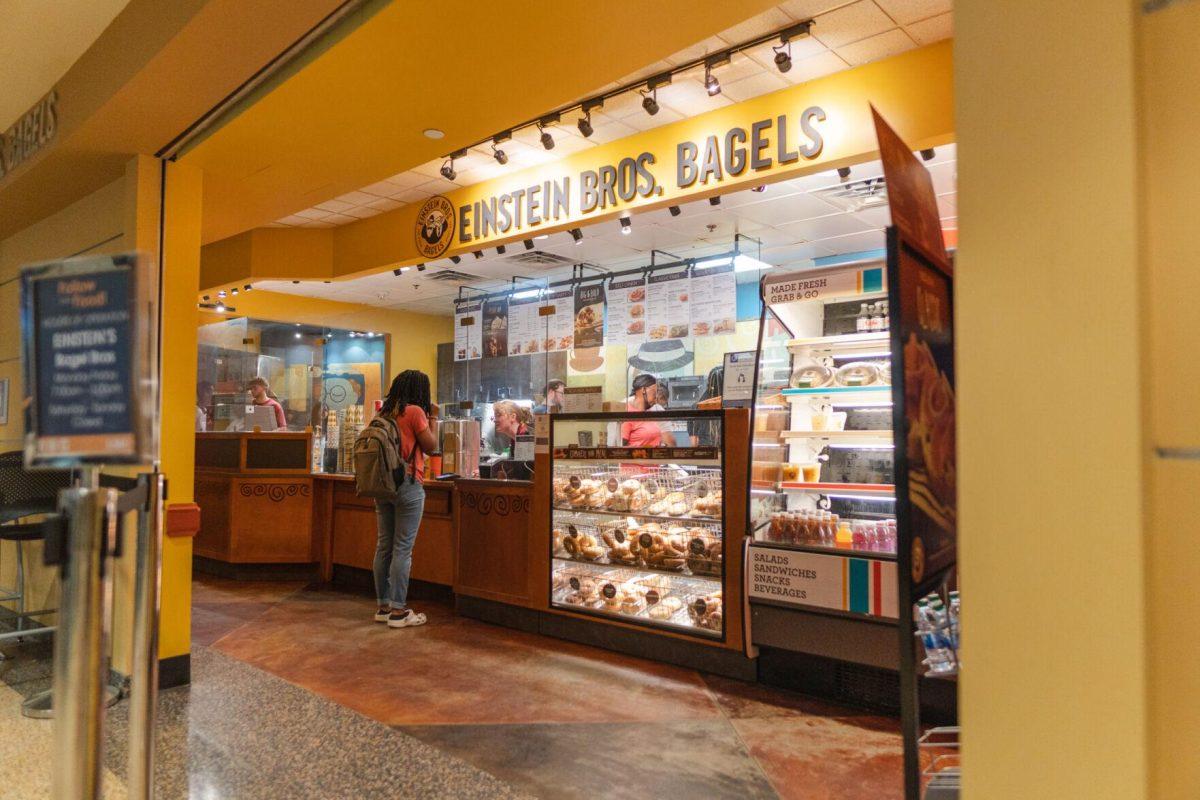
{"x": 346, "y": 529}
{"x": 255, "y": 495}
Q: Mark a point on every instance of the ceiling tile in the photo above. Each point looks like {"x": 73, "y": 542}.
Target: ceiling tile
{"x": 654, "y": 69}
{"x": 312, "y": 213}
{"x": 334, "y": 206}
{"x": 782, "y": 210}
{"x": 418, "y": 193}
{"x": 879, "y": 217}
{"x": 712, "y": 44}
{"x": 690, "y": 98}
{"x": 609, "y": 130}
{"x": 801, "y": 10}
{"x": 759, "y": 25}
{"x": 850, "y": 23}
{"x": 944, "y": 176}
{"x": 947, "y": 205}
{"x": 295, "y": 219}
{"x": 813, "y": 230}
{"x": 384, "y": 188}
{"x": 883, "y": 45}
{"x": 362, "y": 212}
{"x": 357, "y": 198}
{"x": 385, "y": 204}
{"x": 818, "y": 66}
{"x": 407, "y": 180}
{"x": 931, "y": 30}
{"x": 855, "y": 242}
{"x": 762, "y": 83}
{"x": 906, "y": 11}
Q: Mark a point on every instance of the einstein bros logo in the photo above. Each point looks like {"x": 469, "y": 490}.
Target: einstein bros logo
{"x": 435, "y": 226}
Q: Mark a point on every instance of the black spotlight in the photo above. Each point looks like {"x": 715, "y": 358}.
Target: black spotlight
{"x": 843, "y": 172}
{"x": 455, "y": 259}
{"x": 762, "y": 188}
{"x": 421, "y": 267}
{"x": 927, "y": 154}
{"x": 577, "y": 235}
{"x": 585, "y": 124}
{"x": 295, "y": 281}
{"x": 447, "y": 170}
{"x": 397, "y": 272}
{"x": 247, "y": 288}
{"x": 650, "y": 102}
{"x": 234, "y": 291}
{"x": 529, "y": 244}
{"x": 500, "y": 156}
{"x": 714, "y": 201}
{"x": 500, "y": 249}
{"x": 783, "y": 57}
{"x": 546, "y": 138}
{"x": 477, "y": 253}
{"x": 675, "y": 210}
{"x": 205, "y": 298}
{"x": 711, "y": 84}
{"x": 626, "y": 226}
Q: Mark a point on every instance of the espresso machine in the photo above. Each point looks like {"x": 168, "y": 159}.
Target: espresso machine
{"x": 459, "y": 443}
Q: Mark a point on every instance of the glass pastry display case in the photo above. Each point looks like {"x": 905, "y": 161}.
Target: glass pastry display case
{"x": 822, "y": 510}
{"x": 638, "y": 533}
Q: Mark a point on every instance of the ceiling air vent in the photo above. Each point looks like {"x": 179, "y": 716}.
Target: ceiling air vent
{"x": 539, "y": 258}
{"x": 855, "y": 195}
{"x": 451, "y": 276}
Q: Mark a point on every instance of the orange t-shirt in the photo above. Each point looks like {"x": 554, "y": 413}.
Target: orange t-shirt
{"x": 410, "y": 423}
{"x": 635, "y": 433}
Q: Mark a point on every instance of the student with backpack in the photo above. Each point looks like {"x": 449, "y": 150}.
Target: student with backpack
{"x": 389, "y": 465}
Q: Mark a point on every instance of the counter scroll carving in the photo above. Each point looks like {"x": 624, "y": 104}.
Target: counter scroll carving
{"x": 275, "y": 492}
{"x": 485, "y": 503}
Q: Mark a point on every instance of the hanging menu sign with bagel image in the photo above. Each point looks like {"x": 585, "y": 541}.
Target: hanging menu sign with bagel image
{"x": 83, "y": 361}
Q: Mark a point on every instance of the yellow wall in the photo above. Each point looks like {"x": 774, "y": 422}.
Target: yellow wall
{"x": 1170, "y": 121}
{"x": 413, "y": 338}
{"x": 1049, "y": 354}
{"x": 93, "y": 225}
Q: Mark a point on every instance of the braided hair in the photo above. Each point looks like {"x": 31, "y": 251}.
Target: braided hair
{"x": 409, "y": 387}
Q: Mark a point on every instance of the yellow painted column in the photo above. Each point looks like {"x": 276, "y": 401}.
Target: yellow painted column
{"x": 181, "y": 279}
{"x": 1169, "y": 95}
{"x": 1050, "y": 352}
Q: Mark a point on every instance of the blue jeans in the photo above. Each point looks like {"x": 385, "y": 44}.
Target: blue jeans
{"x": 398, "y": 522}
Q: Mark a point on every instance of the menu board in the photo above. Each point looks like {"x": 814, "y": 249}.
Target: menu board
{"x": 627, "y": 311}
{"x": 495, "y": 327}
{"x": 589, "y": 315}
{"x": 668, "y": 305}
{"x": 525, "y": 327}
{"x": 468, "y": 331}
{"x": 714, "y": 301}
{"x": 560, "y": 330}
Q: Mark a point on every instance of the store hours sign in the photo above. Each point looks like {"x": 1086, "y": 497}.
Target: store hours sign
{"x": 85, "y": 357}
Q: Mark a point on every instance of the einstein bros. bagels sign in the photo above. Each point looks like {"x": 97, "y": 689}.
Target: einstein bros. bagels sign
{"x": 435, "y": 226}
{"x": 694, "y": 164}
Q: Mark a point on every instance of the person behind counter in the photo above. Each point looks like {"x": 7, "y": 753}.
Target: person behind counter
{"x": 408, "y": 403}
{"x": 555, "y": 395}
{"x": 260, "y": 393}
{"x": 204, "y": 399}
{"x": 638, "y": 433}
{"x": 675, "y": 434}
{"x": 511, "y": 419}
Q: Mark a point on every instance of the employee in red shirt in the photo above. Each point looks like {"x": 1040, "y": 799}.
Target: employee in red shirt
{"x": 260, "y": 393}
{"x": 637, "y": 433}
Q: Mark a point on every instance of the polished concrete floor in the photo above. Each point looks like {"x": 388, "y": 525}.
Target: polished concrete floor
{"x": 296, "y": 693}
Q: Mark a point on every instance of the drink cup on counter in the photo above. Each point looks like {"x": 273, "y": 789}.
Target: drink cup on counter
{"x": 791, "y": 472}
{"x": 811, "y": 472}
{"x": 821, "y": 420}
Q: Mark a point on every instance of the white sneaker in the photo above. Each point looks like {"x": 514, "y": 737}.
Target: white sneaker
{"x": 405, "y": 619}
{"x": 382, "y": 615}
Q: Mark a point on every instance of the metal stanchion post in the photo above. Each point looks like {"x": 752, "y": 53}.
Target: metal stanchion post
{"x": 144, "y": 679}
{"x": 81, "y": 642}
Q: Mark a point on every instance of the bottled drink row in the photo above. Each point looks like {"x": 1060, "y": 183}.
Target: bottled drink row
{"x": 937, "y": 627}
{"x": 873, "y": 318}
{"x": 823, "y": 529}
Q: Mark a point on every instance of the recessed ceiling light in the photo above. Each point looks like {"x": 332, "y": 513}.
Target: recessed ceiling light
{"x": 433, "y": 133}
